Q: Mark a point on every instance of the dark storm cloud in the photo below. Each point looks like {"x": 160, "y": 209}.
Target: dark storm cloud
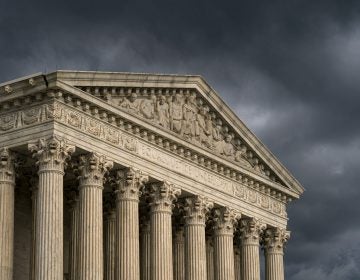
{"x": 289, "y": 69}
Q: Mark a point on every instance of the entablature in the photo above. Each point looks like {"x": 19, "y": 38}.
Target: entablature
{"x": 13, "y": 115}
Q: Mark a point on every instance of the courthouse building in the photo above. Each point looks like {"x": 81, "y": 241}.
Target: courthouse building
{"x": 135, "y": 177}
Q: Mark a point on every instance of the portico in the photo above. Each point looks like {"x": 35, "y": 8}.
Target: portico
{"x": 138, "y": 176}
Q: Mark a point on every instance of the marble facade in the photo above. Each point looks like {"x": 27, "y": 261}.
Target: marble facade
{"x": 135, "y": 177}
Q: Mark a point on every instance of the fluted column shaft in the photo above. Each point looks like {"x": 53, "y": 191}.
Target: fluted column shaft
{"x": 92, "y": 169}
{"x": 274, "y": 241}
{"x": 34, "y": 191}
{"x": 210, "y": 258}
{"x": 250, "y": 258}
{"x": 74, "y": 238}
{"x": 196, "y": 209}
{"x": 129, "y": 182}
{"x": 110, "y": 237}
{"x": 179, "y": 254}
{"x": 7, "y": 184}
{"x": 145, "y": 269}
{"x": 224, "y": 221}
{"x": 162, "y": 196}
{"x": 51, "y": 155}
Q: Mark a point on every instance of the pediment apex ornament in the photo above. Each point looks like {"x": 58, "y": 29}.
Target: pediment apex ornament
{"x": 51, "y": 152}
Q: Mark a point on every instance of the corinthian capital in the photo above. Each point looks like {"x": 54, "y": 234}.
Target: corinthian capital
{"x": 250, "y": 230}
{"x": 225, "y": 219}
{"x": 7, "y": 166}
{"x": 197, "y": 209}
{"x": 51, "y": 153}
{"x": 92, "y": 168}
{"x": 162, "y": 196}
{"x": 274, "y": 240}
{"x": 129, "y": 182}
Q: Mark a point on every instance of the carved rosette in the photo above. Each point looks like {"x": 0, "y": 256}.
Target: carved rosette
{"x": 129, "y": 183}
{"x": 92, "y": 169}
{"x": 197, "y": 209}
{"x": 7, "y": 166}
{"x": 274, "y": 240}
{"x": 225, "y": 220}
{"x": 251, "y": 230}
{"x": 162, "y": 197}
{"x": 51, "y": 153}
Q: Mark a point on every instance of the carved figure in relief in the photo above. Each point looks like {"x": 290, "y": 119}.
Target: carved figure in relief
{"x": 163, "y": 112}
{"x": 217, "y": 132}
{"x": 225, "y": 147}
{"x": 147, "y": 107}
{"x": 176, "y": 113}
{"x": 132, "y": 103}
{"x": 240, "y": 154}
{"x": 190, "y": 113}
{"x": 204, "y": 127}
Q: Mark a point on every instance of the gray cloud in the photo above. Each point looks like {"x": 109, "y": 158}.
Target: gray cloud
{"x": 289, "y": 69}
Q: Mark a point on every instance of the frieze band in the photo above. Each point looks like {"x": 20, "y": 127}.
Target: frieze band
{"x": 115, "y": 136}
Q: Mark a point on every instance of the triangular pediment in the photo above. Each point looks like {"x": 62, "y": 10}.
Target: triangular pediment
{"x": 185, "y": 106}
{"x": 182, "y": 107}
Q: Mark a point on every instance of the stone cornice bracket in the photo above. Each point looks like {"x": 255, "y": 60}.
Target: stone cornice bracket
{"x": 129, "y": 183}
{"x": 162, "y": 197}
{"x": 7, "y": 166}
{"x": 197, "y": 209}
{"x": 225, "y": 221}
{"x": 92, "y": 169}
{"x": 51, "y": 153}
{"x": 251, "y": 230}
{"x": 274, "y": 240}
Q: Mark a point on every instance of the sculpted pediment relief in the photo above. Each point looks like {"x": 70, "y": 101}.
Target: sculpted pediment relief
{"x": 185, "y": 113}
{"x": 180, "y": 108}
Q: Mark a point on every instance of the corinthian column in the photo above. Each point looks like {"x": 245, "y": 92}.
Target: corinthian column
{"x": 129, "y": 182}
{"x": 224, "y": 221}
{"x": 92, "y": 168}
{"x": 179, "y": 252}
{"x": 196, "y": 209}
{"x": 273, "y": 242}
{"x": 162, "y": 197}
{"x": 51, "y": 155}
{"x": 250, "y": 231}
{"x": 74, "y": 234}
{"x": 110, "y": 238}
{"x": 7, "y": 184}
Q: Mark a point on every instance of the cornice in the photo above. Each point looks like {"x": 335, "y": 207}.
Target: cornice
{"x": 52, "y": 82}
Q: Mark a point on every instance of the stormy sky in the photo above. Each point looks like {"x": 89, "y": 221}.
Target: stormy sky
{"x": 289, "y": 69}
